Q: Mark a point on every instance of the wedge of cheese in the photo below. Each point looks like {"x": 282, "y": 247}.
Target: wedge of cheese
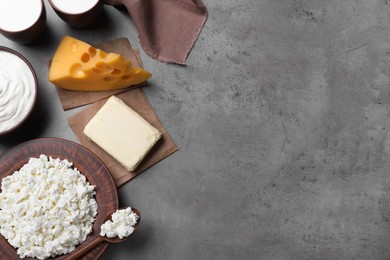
{"x": 78, "y": 66}
{"x": 122, "y": 133}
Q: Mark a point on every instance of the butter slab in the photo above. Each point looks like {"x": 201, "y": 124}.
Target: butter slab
{"x": 122, "y": 133}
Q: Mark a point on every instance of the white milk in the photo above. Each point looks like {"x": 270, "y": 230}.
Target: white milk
{"x": 74, "y": 6}
{"x": 17, "y": 15}
{"x": 17, "y": 90}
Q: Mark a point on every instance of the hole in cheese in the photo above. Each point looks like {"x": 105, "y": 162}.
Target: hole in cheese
{"x": 85, "y": 57}
{"x": 97, "y": 71}
{"x": 102, "y": 65}
{"x": 76, "y": 71}
{"x": 102, "y": 54}
{"x": 92, "y": 52}
{"x": 109, "y": 79}
{"x": 116, "y": 72}
{"x": 101, "y": 68}
{"x": 126, "y": 77}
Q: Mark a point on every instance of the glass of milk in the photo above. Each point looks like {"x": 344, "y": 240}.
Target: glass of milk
{"x": 22, "y": 21}
{"x": 77, "y": 13}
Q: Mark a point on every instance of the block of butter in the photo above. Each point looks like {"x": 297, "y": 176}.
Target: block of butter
{"x": 122, "y": 133}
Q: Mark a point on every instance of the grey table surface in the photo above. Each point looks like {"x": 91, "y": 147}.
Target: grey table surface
{"x": 282, "y": 120}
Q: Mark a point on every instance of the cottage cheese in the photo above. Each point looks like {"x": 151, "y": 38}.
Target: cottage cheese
{"x": 47, "y": 208}
{"x": 122, "y": 224}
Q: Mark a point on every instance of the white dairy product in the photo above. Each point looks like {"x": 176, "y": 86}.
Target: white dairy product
{"x": 17, "y": 15}
{"x": 47, "y": 208}
{"x": 74, "y": 6}
{"x": 17, "y": 90}
{"x": 121, "y": 225}
{"x": 122, "y": 133}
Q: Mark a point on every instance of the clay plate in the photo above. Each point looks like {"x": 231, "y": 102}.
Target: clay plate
{"x": 86, "y": 162}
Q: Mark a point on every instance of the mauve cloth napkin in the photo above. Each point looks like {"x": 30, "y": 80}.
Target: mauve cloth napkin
{"x": 167, "y": 28}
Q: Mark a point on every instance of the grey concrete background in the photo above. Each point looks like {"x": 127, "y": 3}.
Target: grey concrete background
{"x": 282, "y": 120}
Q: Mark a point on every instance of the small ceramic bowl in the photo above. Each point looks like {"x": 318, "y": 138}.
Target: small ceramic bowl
{"x": 77, "y": 13}
{"x": 22, "y": 24}
{"x": 18, "y": 89}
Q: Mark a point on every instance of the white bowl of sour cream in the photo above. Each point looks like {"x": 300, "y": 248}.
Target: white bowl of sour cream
{"x": 18, "y": 89}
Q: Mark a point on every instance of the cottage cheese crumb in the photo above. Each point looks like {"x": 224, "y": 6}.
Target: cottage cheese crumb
{"x": 122, "y": 224}
{"x": 47, "y": 208}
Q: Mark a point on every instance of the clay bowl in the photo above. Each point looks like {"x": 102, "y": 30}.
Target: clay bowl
{"x": 78, "y": 19}
{"x": 33, "y": 89}
{"x": 30, "y": 30}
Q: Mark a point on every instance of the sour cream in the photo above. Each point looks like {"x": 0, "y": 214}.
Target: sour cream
{"x": 74, "y": 6}
{"x": 18, "y": 15}
{"x": 17, "y": 90}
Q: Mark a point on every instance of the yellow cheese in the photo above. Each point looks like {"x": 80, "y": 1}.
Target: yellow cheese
{"x": 122, "y": 133}
{"x": 78, "y": 66}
